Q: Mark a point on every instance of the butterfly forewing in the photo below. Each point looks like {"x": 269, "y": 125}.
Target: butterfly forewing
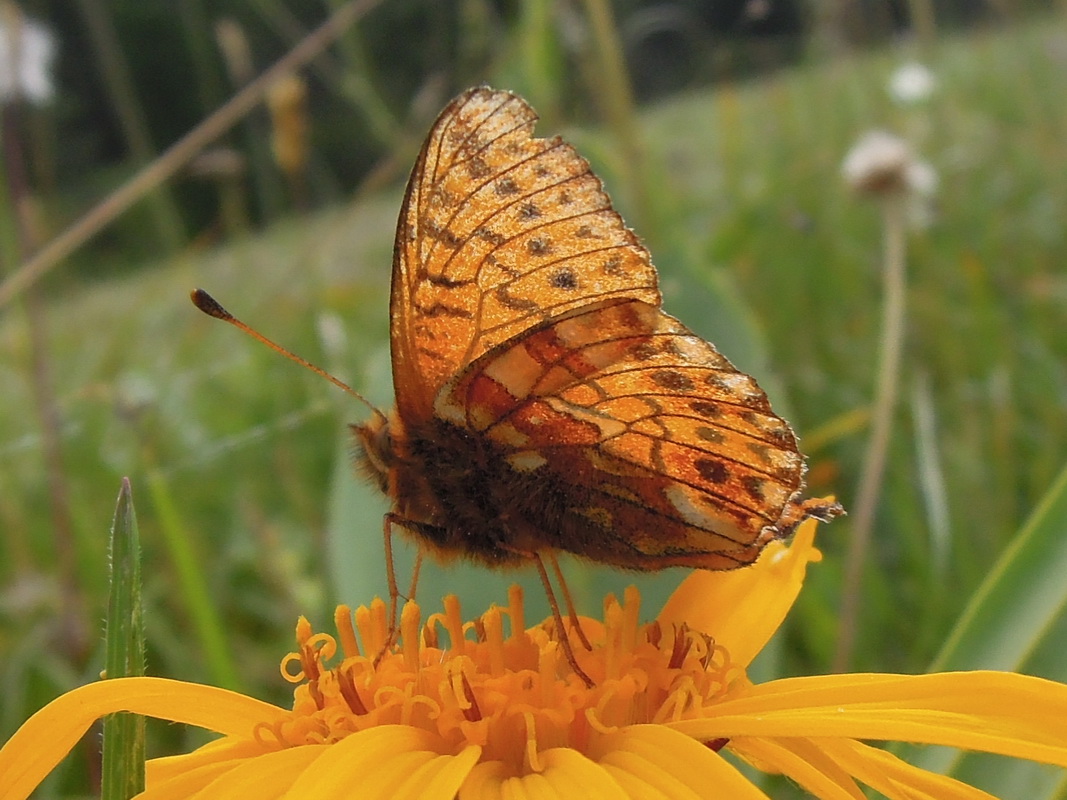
{"x": 499, "y": 232}
{"x": 668, "y": 452}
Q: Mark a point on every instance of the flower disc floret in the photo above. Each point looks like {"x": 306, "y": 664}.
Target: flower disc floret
{"x": 509, "y": 692}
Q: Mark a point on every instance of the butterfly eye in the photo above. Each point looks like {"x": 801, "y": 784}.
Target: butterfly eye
{"x": 374, "y": 450}
{"x": 383, "y": 443}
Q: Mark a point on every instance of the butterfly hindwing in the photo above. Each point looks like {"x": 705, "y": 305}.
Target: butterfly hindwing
{"x": 670, "y": 454}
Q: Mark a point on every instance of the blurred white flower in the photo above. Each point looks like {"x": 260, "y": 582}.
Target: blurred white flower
{"x": 912, "y": 83}
{"x": 883, "y": 163}
{"x": 27, "y": 49}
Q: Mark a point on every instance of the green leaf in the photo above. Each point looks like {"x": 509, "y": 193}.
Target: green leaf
{"x": 208, "y": 626}
{"x": 1013, "y": 622}
{"x": 1020, "y": 600}
{"x": 124, "y": 746}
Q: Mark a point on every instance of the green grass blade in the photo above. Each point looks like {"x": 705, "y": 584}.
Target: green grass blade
{"x": 1015, "y": 614}
{"x": 1021, "y": 598}
{"x": 124, "y": 743}
{"x": 208, "y": 625}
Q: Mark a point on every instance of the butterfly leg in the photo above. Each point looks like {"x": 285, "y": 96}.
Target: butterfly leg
{"x": 572, "y": 613}
{"x": 561, "y": 629}
{"x": 390, "y": 575}
{"x": 388, "y": 522}
{"x": 415, "y": 574}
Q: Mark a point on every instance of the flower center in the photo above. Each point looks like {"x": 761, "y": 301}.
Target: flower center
{"x": 514, "y": 695}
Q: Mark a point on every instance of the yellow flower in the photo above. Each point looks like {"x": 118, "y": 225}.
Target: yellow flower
{"x": 487, "y": 710}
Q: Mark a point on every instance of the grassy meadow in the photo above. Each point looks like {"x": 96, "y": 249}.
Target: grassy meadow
{"x": 239, "y": 460}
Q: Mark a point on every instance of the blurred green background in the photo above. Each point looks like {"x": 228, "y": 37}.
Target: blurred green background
{"x": 719, "y": 129}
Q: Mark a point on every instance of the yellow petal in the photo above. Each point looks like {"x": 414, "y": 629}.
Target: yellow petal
{"x": 650, "y": 761}
{"x": 565, "y": 774}
{"x": 572, "y": 774}
{"x": 997, "y": 712}
{"x": 388, "y": 761}
{"x": 896, "y": 779}
{"x": 46, "y": 737}
{"x": 181, "y": 786}
{"x": 484, "y": 781}
{"x": 491, "y": 780}
{"x": 265, "y": 777}
{"x": 802, "y": 761}
{"x": 742, "y": 609}
{"x": 224, "y": 750}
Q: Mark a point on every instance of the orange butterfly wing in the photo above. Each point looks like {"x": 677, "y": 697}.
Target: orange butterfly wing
{"x": 669, "y": 455}
{"x": 543, "y": 398}
{"x": 498, "y": 232}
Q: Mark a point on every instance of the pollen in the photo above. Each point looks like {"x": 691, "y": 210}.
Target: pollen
{"x": 494, "y": 683}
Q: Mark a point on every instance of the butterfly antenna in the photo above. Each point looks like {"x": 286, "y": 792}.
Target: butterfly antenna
{"x": 210, "y": 306}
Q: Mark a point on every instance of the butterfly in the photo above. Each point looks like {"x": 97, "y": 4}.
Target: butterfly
{"x": 544, "y": 400}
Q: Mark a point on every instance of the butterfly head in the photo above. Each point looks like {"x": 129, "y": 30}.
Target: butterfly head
{"x": 374, "y": 449}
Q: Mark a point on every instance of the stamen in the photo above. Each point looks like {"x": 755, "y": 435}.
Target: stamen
{"x": 292, "y": 677}
{"x": 316, "y": 694}
{"x": 453, "y": 624}
{"x": 595, "y": 714}
{"x": 512, "y": 695}
{"x": 312, "y": 667}
{"x": 471, "y": 713}
{"x": 381, "y": 626}
{"x": 547, "y": 664}
{"x": 342, "y": 620}
{"x": 718, "y": 658}
{"x": 430, "y": 639}
{"x": 372, "y": 636}
{"x": 493, "y": 636}
{"x": 456, "y": 678}
{"x": 347, "y": 685}
{"x": 303, "y": 633}
{"x": 682, "y": 643}
{"x": 303, "y": 630}
{"x": 654, "y": 633}
{"x": 478, "y": 626}
{"x": 516, "y": 612}
{"x": 406, "y": 702}
{"x": 533, "y": 760}
{"x": 631, "y": 608}
{"x": 678, "y": 701}
{"x": 613, "y": 617}
{"x": 269, "y": 734}
{"x": 409, "y": 631}
{"x": 709, "y": 651}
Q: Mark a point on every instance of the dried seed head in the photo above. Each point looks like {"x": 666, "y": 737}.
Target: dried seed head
{"x": 883, "y": 164}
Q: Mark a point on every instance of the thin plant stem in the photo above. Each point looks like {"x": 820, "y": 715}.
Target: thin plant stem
{"x": 76, "y": 639}
{"x": 178, "y": 154}
{"x": 885, "y": 400}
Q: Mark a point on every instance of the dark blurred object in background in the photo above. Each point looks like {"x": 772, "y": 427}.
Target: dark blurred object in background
{"x": 362, "y": 95}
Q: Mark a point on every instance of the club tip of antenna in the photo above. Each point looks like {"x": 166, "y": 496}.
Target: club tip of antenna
{"x": 208, "y": 304}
